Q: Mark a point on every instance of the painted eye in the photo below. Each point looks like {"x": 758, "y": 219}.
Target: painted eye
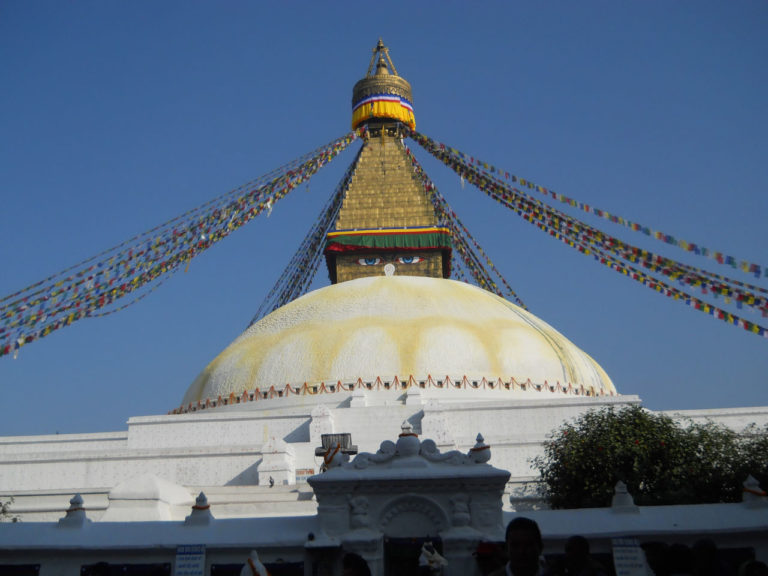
{"x": 369, "y": 261}
{"x": 409, "y": 259}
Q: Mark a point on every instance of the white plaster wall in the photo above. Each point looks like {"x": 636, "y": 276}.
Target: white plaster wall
{"x": 507, "y": 421}
{"x": 735, "y": 418}
{"x": 225, "y": 502}
{"x": 371, "y": 425}
{"x": 49, "y": 505}
{"x": 208, "y": 429}
{"x": 83, "y": 471}
{"x": 103, "y": 441}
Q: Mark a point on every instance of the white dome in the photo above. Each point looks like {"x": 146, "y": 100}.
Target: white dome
{"x": 400, "y": 326}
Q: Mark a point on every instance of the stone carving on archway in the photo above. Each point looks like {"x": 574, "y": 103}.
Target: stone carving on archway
{"x": 461, "y": 515}
{"x": 412, "y": 516}
{"x": 358, "y": 514}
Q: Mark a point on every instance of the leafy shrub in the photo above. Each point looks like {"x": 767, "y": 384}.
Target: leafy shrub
{"x": 661, "y": 460}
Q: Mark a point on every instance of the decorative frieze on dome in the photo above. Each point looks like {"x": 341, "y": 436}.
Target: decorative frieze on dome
{"x": 359, "y": 390}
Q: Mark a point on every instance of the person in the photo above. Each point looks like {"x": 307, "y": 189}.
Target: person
{"x": 354, "y": 565}
{"x": 680, "y": 560}
{"x": 706, "y": 559}
{"x": 524, "y": 547}
{"x": 578, "y": 561}
{"x": 656, "y": 557}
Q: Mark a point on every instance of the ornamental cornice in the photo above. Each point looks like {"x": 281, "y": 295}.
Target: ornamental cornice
{"x": 411, "y": 465}
{"x": 276, "y": 393}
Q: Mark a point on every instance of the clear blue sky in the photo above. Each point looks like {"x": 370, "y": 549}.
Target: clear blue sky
{"x": 117, "y": 116}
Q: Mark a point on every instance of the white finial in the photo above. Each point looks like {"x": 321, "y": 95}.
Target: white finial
{"x": 389, "y": 269}
{"x": 480, "y": 453}
{"x": 406, "y": 427}
{"x": 752, "y": 493}
{"x": 201, "y": 512}
{"x": 622, "y": 499}
{"x": 75, "y": 514}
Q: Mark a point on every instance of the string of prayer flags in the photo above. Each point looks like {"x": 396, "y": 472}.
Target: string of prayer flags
{"x": 302, "y": 268}
{"x": 611, "y": 251}
{"x": 462, "y": 239}
{"x": 94, "y": 286}
{"x": 491, "y": 171}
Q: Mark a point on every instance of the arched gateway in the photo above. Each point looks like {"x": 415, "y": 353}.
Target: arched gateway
{"x": 385, "y": 506}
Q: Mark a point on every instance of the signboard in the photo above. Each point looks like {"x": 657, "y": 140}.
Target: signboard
{"x": 629, "y": 558}
{"x": 190, "y": 560}
{"x": 303, "y": 473}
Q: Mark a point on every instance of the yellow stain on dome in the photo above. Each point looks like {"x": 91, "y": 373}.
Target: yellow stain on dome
{"x": 396, "y": 326}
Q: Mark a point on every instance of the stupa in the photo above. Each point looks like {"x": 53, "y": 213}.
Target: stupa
{"x": 393, "y": 337}
{"x": 391, "y": 318}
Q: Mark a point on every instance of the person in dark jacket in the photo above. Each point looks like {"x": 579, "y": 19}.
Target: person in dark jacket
{"x": 524, "y": 547}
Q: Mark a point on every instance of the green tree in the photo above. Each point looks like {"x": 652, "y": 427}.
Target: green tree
{"x": 660, "y": 460}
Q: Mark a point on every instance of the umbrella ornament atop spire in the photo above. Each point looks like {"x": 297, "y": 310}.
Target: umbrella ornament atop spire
{"x": 382, "y": 95}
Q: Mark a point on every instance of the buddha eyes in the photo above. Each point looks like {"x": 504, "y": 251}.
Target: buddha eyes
{"x": 375, "y": 260}
{"x": 409, "y": 259}
{"x": 369, "y": 261}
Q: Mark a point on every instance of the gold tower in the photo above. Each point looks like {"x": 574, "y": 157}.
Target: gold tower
{"x": 386, "y": 224}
